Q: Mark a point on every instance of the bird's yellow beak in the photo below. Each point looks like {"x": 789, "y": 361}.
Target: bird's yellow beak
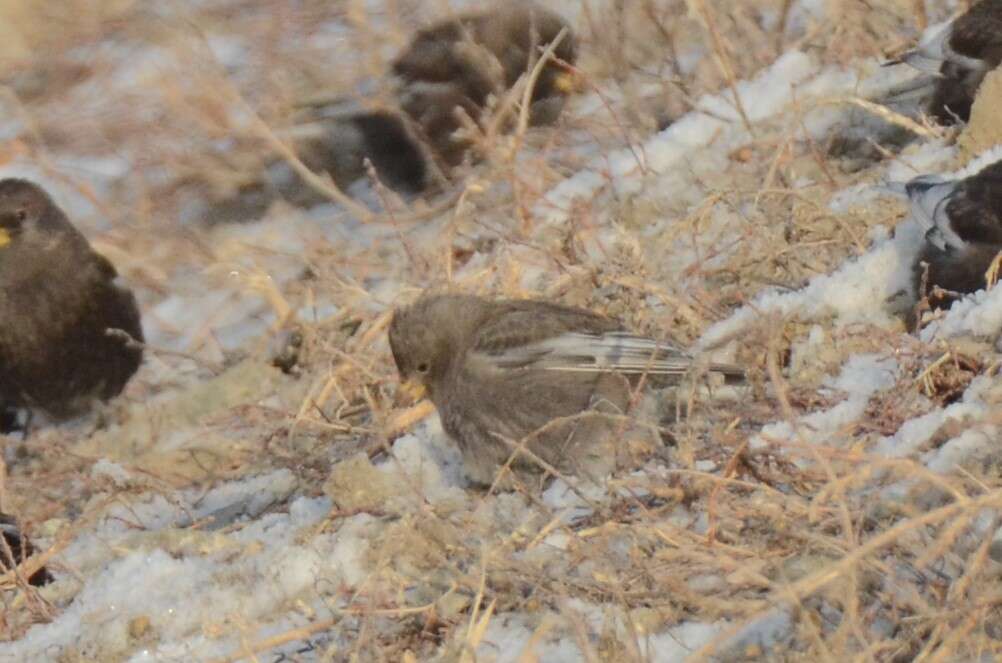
{"x": 568, "y": 82}
{"x": 413, "y": 390}
{"x": 4, "y": 238}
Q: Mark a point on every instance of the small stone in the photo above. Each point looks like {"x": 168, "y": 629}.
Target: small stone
{"x": 285, "y": 348}
{"x": 139, "y": 627}
{"x": 355, "y": 484}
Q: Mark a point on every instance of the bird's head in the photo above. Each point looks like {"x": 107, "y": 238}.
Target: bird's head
{"x": 25, "y": 210}
{"x": 427, "y": 336}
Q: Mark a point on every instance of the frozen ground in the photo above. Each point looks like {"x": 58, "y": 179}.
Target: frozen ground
{"x": 843, "y": 504}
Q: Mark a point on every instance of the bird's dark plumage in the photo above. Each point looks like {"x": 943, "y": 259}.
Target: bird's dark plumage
{"x": 455, "y": 66}
{"x": 20, "y": 547}
{"x": 449, "y": 69}
{"x": 461, "y": 62}
{"x": 960, "y": 56}
{"x": 963, "y": 223}
{"x": 340, "y": 145}
{"x": 451, "y": 66}
{"x": 391, "y": 149}
{"x": 510, "y": 368}
{"x": 485, "y": 53}
{"x": 58, "y": 299}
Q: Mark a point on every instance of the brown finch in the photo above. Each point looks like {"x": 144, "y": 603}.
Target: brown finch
{"x": 507, "y": 372}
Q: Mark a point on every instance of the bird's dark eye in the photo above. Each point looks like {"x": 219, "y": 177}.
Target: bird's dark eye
{"x": 422, "y": 367}
{"x": 21, "y": 214}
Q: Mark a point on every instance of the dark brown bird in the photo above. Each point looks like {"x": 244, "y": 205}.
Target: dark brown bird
{"x": 960, "y": 56}
{"x": 410, "y": 148}
{"x": 963, "y": 223}
{"x": 483, "y": 53}
{"x": 337, "y": 142}
{"x": 461, "y": 63}
{"x": 58, "y": 299}
{"x": 450, "y": 67}
{"x": 342, "y": 141}
{"x": 503, "y": 371}
{"x": 17, "y": 549}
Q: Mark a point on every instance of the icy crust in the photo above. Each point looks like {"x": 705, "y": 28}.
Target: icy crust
{"x": 764, "y": 96}
{"x": 861, "y": 377}
{"x": 979, "y": 314}
{"x": 717, "y": 126}
{"x": 860, "y": 291}
{"x": 242, "y": 553}
{"x": 157, "y": 571}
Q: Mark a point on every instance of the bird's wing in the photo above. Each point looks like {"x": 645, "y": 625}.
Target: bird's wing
{"x": 917, "y": 89}
{"x": 434, "y": 54}
{"x": 514, "y": 324}
{"x": 104, "y": 267}
{"x": 928, "y": 197}
{"x": 612, "y": 351}
{"x": 540, "y": 335}
{"x": 609, "y": 352}
{"x": 970, "y": 41}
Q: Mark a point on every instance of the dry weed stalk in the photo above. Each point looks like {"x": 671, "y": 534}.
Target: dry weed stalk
{"x": 722, "y": 57}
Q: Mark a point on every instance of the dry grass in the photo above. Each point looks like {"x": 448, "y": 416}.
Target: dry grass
{"x": 829, "y": 534}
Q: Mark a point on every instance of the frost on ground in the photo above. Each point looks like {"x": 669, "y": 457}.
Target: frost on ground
{"x": 720, "y": 186}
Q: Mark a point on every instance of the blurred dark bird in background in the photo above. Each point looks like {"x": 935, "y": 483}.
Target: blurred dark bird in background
{"x": 958, "y": 57}
{"x": 500, "y": 372}
{"x": 460, "y": 66}
{"x": 485, "y": 53}
{"x": 457, "y": 65}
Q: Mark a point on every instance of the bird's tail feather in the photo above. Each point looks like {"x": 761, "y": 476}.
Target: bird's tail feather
{"x": 919, "y": 88}
{"x": 927, "y": 56}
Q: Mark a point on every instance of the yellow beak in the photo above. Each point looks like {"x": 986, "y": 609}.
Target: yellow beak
{"x": 413, "y": 390}
{"x": 4, "y": 238}
{"x": 568, "y": 82}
